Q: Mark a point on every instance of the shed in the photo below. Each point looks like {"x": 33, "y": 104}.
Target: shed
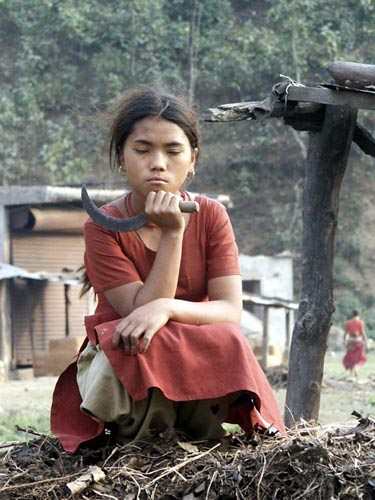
{"x": 269, "y": 281}
{"x": 41, "y": 250}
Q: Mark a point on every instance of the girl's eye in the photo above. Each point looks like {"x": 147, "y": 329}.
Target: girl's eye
{"x": 174, "y": 152}
{"x": 141, "y": 151}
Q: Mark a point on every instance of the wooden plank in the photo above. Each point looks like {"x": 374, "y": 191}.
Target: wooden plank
{"x": 359, "y": 100}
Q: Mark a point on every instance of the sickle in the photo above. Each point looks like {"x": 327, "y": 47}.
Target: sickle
{"x": 116, "y": 224}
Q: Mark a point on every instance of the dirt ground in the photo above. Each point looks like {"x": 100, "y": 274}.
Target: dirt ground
{"x": 27, "y": 403}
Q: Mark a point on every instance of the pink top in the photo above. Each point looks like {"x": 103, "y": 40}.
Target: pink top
{"x": 355, "y": 327}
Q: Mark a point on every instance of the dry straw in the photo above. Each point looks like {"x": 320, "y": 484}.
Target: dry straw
{"x": 312, "y": 462}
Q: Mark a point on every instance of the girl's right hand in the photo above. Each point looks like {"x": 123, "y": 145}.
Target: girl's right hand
{"x": 136, "y": 330}
{"x": 162, "y": 208}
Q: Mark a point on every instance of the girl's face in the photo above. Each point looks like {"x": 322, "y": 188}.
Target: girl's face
{"x": 157, "y": 156}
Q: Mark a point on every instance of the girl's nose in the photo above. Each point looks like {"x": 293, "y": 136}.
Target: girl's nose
{"x": 158, "y": 161}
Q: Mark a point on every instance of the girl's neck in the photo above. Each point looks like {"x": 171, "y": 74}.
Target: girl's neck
{"x": 136, "y": 203}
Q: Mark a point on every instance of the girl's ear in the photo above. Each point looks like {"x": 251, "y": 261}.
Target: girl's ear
{"x": 122, "y": 166}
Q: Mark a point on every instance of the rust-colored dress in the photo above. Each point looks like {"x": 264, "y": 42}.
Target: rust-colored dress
{"x": 184, "y": 362}
{"x": 355, "y": 345}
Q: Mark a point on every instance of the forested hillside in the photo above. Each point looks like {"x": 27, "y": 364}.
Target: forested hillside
{"x": 63, "y": 62}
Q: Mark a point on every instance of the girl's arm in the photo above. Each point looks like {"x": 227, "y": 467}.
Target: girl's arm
{"x": 162, "y": 208}
{"x": 224, "y": 305}
{"x": 161, "y": 281}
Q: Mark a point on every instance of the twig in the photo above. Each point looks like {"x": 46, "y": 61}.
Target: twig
{"x": 14, "y": 443}
{"x": 31, "y": 431}
{"x": 181, "y": 465}
{"x": 213, "y": 477}
{"x": 37, "y": 483}
{"x": 110, "y": 456}
{"x": 261, "y": 476}
{"x": 103, "y": 494}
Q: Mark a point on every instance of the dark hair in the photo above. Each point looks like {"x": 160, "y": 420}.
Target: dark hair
{"x": 142, "y": 102}
{"x": 355, "y": 313}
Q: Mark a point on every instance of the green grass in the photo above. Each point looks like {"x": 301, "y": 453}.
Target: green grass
{"x": 340, "y": 394}
{"x": 10, "y": 423}
{"x": 333, "y": 366}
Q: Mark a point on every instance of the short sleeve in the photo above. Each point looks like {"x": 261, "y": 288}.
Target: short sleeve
{"x": 222, "y": 251}
{"x": 106, "y": 264}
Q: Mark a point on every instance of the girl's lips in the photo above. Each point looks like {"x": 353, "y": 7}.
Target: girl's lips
{"x": 156, "y": 180}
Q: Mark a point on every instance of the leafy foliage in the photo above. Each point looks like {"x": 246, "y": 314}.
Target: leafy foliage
{"x": 63, "y": 62}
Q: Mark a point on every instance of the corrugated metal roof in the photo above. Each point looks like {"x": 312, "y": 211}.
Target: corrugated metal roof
{"x": 7, "y": 271}
{"x": 28, "y": 195}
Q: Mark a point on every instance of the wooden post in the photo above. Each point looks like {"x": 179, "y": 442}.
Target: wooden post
{"x": 67, "y": 303}
{"x": 5, "y": 321}
{"x": 265, "y": 338}
{"x": 325, "y": 168}
{"x": 287, "y": 337}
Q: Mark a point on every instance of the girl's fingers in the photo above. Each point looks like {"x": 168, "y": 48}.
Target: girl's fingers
{"x": 174, "y": 203}
{"x": 146, "y": 340}
{"x": 116, "y": 338}
{"x": 166, "y": 202}
{"x": 134, "y": 338}
{"x": 130, "y": 337}
{"x": 158, "y": 201}
{"x": 120, "y": 334}
{"x": 150, "y": 202}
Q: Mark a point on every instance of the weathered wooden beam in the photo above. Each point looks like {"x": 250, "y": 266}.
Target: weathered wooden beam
{"x": 239, "y": 111}
{"x": 268, "y": 108}
{"x": 364, "y": 140}
{"x": 353, "y": 74}
{"x": 302, "y": 116}
{"x": 324, "y": 171}
{"x": 321, "y": 95}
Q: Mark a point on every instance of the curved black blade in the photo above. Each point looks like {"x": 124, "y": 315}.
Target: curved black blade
{"x": 109, "y": 222}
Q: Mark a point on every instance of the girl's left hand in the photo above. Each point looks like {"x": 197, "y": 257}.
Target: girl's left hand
{"x": 136, "y": 330}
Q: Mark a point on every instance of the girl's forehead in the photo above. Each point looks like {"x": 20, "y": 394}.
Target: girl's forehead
{"x": 154, "y": 128}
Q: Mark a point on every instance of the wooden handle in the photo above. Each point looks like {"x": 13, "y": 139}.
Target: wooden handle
{"x": 189, "y": 206}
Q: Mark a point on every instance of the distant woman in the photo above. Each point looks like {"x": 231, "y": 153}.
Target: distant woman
{"x": 164, "y": 348}
{"x": 355, "y": 341}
